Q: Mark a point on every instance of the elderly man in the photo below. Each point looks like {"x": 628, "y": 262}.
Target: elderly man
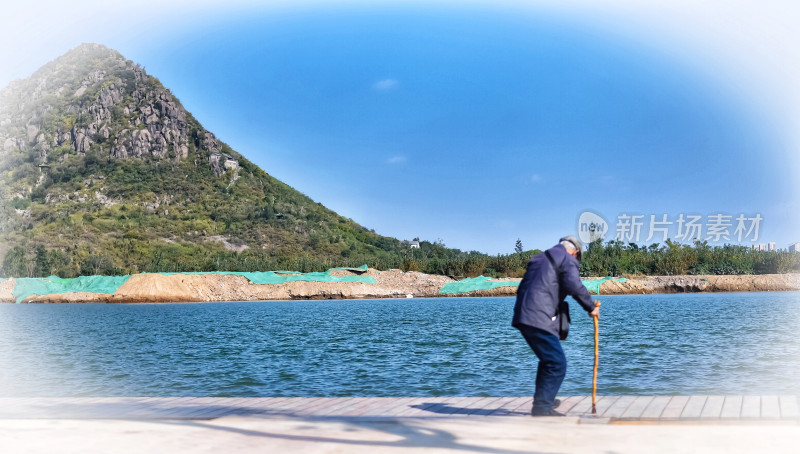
{"x": 550, "y": 277}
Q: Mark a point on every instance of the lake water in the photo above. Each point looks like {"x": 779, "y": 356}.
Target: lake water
{"x": 732, "y": 343}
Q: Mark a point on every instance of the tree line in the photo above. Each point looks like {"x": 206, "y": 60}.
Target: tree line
{"x": 612, "y": 258}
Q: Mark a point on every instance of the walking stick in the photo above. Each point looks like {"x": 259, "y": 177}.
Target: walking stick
{"x": 596, "y": 359}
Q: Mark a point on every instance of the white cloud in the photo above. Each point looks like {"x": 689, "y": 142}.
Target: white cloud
{"x": 385, "y": 85}
{"x": 397, "y": 160}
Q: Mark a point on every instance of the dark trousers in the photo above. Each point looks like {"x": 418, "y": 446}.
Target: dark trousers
{"x": 552, "y": 365}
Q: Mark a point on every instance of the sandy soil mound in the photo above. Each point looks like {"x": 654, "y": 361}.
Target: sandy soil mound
{"x": 629, "y": 287}
{"x": 221, "y": 287}
{"x": 711, "y": 283}
{"x": 75, "y": 297}
{"x": 179, "y": 288}
{"x": 155, "y": 288}
{"x": 6, "y": 289}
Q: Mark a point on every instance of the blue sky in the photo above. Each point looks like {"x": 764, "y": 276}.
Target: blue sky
{"x": 474, "y": 125}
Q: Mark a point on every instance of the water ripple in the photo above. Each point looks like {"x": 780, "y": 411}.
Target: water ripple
{"x": 742, "y": 343}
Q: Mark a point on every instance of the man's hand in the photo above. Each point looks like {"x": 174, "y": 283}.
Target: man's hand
{"x": 595, "y": 312}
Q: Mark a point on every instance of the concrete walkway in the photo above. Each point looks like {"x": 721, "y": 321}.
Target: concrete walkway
{"x": 624, "y": 424}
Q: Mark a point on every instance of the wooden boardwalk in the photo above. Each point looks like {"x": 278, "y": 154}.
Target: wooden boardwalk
{"x": 611, "y": 408}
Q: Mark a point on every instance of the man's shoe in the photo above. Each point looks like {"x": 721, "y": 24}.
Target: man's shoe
{"x": 551, "y": 412}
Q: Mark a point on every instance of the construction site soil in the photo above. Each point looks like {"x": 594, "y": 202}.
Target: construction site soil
{"x": 157, "y": 288}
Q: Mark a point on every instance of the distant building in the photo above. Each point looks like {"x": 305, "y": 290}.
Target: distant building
{"x": 771, "y": 246}
{"x": 794, "y": 247}
{"x": 760, "y": 247}
{"x": 414, "y": 245}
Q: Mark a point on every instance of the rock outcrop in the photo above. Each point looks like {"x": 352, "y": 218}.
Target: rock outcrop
{"x": 117, "y": 109}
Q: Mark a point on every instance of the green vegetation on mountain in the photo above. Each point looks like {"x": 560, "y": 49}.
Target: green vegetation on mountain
{"x": 102, "y": 171}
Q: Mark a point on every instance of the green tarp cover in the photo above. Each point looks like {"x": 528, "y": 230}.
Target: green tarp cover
{"x": 281, "y": 277}
{"x": 593, "y": 285}
{"x": 29, "y": 286}
{"x": 475, "y": 283}
{"x": 486, "y": 283}
{"x": 26, "y": 287}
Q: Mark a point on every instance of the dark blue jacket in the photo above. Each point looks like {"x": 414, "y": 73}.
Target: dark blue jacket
{"x": 540, "y": 291}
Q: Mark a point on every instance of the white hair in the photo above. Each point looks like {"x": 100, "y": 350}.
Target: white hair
{"x": 569, "y": 245}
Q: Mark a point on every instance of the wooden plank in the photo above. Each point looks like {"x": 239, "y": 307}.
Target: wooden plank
{"x": 674, "y": 408}
{"x": 355, "y": 406}
{"x": 325, "y": 408}
{"x": 637, "y": 407}
{"x": 567, "y": 403}
{"x": 732, "y": 408}
{"x": 201, "y": 410}
{"x": 246, "y": 404}
{"x": 149, "y": 407}
{"x": 694, "y": 407}
{"x": 509, "y": 408}
{"x": 290, "y": 401}
{"x": 571, "y": 406}
{"x": 144, "y": 408}
{"x": 490, "y": 405}
{"x": 368, "y": 406}
{"x": 584, "y": 407}
{"x": 282, "y": 406}
{"x": 485, "y": 407}
{"x": 465, "y": 405}
{"x": 311, "y": 407}
{"x": 428, "y": 407}
{"x": 340, "y": 407}
{"x": 751, "y": 407}
{"x": 616, "y": 409}
{"x": 496, "y": 406}
{"x": 622, "y": 407}
{"x": 268, "y": 404}
{"x": 295, "y": 406}
{"x": 524, "y": 406}
{"x": 414, "y": 407}
{"x": 713, "y": 407}
{"x": 770, "y": 407}
{"x": 789, "y": 407}
{"x": 403, "y": 406}
{"x": 603, "y": 404}
{"x": 458, "y": 406}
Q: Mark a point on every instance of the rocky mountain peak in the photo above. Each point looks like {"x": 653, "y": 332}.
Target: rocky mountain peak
{"x": 103, "y": 171}
{"x": 94, "y": 100}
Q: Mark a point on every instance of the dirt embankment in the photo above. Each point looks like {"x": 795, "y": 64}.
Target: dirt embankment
{"x": 711, "y": 283}
{"x": 155, "y": 288}
{"x": 681, "y": 284}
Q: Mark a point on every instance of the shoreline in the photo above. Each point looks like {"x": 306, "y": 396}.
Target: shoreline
{"x": 158, "y": 288}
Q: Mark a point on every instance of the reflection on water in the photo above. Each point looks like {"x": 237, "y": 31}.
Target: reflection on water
{"x": 742, "y": 343}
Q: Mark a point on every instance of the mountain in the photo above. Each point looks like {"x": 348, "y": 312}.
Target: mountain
{"x": 103, "y": 171}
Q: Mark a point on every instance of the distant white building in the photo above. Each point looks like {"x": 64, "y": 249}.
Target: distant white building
{"x": 794, "y": 247}
{"x": 771, "y": 246}
{"x": 414, "y": 245}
